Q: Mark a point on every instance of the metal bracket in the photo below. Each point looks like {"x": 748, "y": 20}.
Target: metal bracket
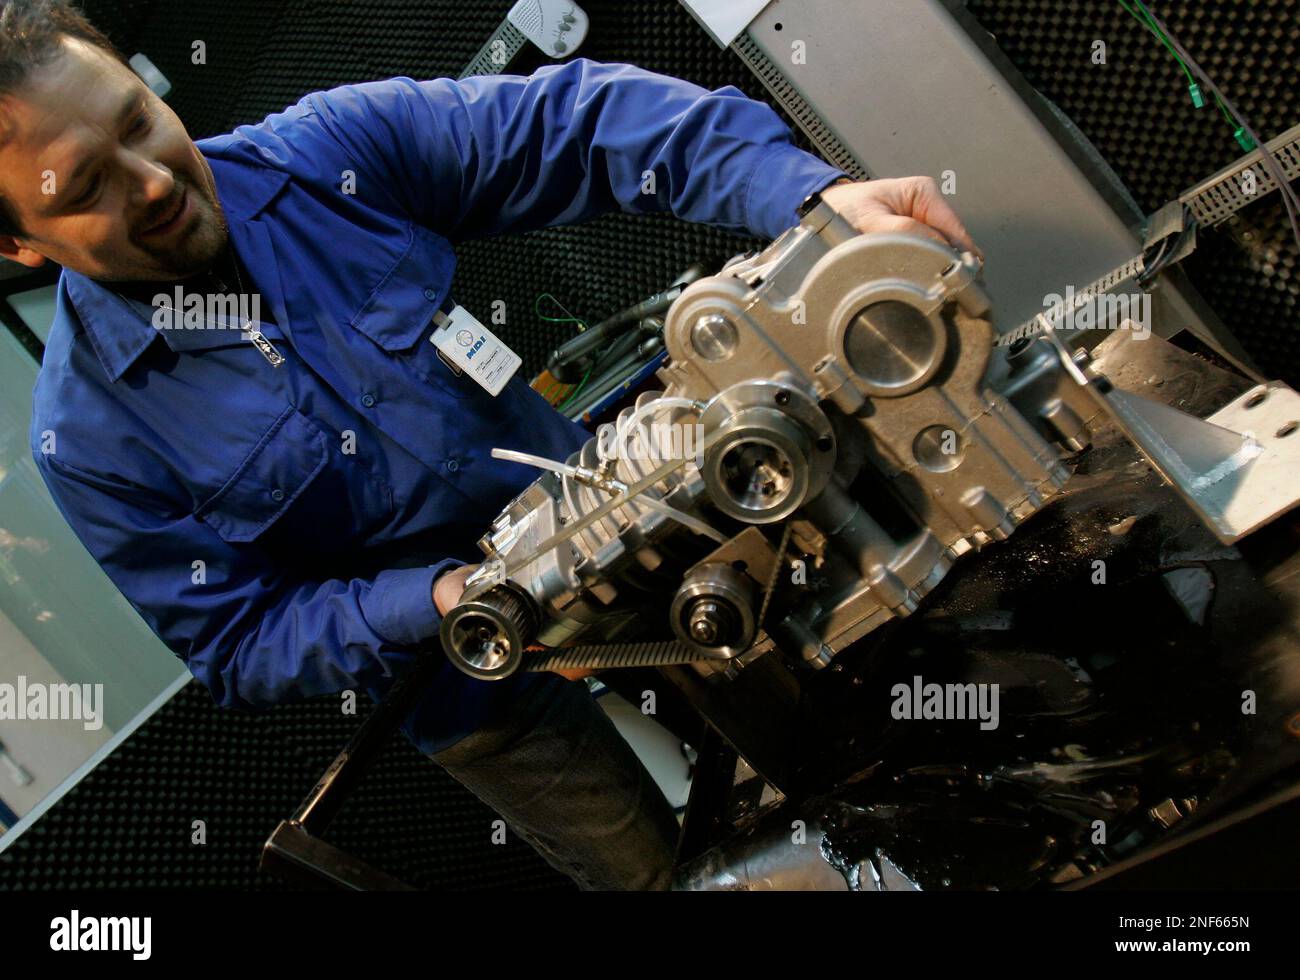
{"x": 1237, "y": 469}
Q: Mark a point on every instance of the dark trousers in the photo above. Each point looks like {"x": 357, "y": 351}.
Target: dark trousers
{"x": 563, "y": 778}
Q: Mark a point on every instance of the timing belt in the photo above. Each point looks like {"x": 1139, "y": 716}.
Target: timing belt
{"x": 599, "y": 656}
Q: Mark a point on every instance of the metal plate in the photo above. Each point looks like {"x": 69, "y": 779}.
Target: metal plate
{"x": 1270, "y": 484}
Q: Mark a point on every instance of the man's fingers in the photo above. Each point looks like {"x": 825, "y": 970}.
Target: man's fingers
{"x": 900, "y": 223}
{"x": 914, "y": 205}
{"x": 574, "y": 673}
{"x": 930, "y": 206}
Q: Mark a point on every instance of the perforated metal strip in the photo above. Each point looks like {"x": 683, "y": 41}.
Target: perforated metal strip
{"x": 807, "y": 118}
{"x": 1212, "y": 202}
{"x": 1111, "y": 280}
{"x": 506, "y": 42}
{"x": 1227, "y": 192}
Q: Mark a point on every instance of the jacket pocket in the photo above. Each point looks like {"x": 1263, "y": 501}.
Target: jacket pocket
{"x": 399, "y": 311}
{"x": 275, "y": 473}
{"x": 398, "y": 314}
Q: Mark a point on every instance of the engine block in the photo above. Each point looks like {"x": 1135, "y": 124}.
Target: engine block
{"x": 835, "y": 431}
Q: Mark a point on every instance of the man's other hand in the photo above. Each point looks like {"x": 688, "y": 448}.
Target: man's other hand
{"x": 913, "y": 205}
{"x": 447, "y": 591}
{"x": 449, "y": 586}
{"x": 575, "y": 673}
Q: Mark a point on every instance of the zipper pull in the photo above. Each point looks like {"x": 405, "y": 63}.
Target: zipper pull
{"x": 265, "y": 346}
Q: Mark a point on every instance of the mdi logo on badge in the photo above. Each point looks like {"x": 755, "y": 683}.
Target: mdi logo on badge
{"x": 473, "y": 348}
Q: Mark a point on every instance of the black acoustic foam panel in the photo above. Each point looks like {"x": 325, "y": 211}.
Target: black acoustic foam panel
{"x": 128, "y": 824}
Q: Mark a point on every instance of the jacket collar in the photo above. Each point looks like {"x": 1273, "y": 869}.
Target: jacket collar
{"x": 120, "y": 329}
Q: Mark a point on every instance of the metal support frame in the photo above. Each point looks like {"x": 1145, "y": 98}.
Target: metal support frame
{"x": 703, "y": 823}
{"x": 294, "y": 849}
{"x": 1236, "y": 469}
{"x": 755, "y": 713}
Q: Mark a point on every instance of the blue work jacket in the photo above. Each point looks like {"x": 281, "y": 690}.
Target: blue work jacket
{"x": 280, "y": 527}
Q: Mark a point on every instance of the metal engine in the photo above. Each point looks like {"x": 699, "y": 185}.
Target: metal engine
{"x": 833, "y": 435}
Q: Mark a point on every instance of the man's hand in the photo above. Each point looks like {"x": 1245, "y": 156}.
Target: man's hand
{"x": 449, "y": 587}
{"x": 907, "y": 204}
{"x": 575, "y": 673}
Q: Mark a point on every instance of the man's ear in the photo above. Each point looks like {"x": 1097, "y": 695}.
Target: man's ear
{"x": 12, "y": 248}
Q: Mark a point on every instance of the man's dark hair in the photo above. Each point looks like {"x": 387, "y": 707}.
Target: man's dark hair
{"x": 29, "y": 37}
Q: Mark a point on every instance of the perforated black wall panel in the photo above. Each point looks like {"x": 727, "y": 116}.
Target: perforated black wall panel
{"x": 122, "y": 20}
{"x": 129, "y": 823}
{"x": 1137, "y": 111}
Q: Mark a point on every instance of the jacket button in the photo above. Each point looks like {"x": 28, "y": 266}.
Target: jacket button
{"x": 368, "y": 400}
{"x": 453, "y": 465}
{"x": 277, "y": 495}
{"x": 430, "y": 295}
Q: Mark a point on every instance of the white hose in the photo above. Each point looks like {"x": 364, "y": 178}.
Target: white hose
{"x": 514, "y": 456}
{"x": 694, "y": 523}
{"x": 564, "y": 469}
{"x": 623, "y": 430}
{"x": 654, "y": 406}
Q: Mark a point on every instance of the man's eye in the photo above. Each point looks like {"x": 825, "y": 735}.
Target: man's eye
{"x": 86, "y": 196}
{"x": 140, "y": 125}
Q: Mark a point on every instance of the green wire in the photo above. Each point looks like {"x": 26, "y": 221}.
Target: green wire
{"x": 1226, "y": 114}
{"x": 556, "y": 319}
{"x": 577, "y": 391}
{"x": 556, "y": 383}
{"x": 1143, "y": 19}
{"x": 1143, "y": 16}
{"x": 1243, "y": 139}
{"x": 547, "y": 391}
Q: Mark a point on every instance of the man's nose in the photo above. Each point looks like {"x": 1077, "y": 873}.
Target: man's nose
{"x": 152, "y": 182}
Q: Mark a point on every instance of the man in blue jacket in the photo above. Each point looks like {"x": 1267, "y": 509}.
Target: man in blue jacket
{"x": 279, "y": 486}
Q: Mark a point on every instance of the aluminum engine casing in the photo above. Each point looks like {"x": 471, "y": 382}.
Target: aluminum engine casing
{"x": 851, "y": 409}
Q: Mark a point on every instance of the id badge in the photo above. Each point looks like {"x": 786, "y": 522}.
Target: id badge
{"x": 474, "y": 349}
